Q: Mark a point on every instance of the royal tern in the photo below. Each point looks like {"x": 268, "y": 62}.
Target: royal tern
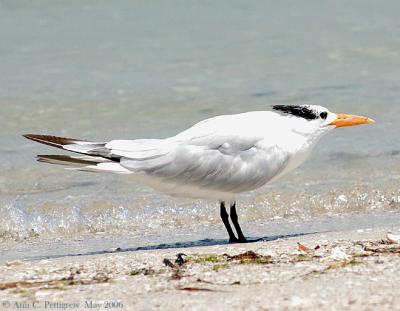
{"x": 214, "y": 159}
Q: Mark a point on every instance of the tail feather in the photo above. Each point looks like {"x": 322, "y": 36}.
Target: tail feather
{"x": 74, "y": 145}
{"x": 95, "y": 157}
{"x": 55, "y": 141}
{"x": 109, "y": 167}
{"x": 84, "y": 163}
{"x": 69, "y": 160}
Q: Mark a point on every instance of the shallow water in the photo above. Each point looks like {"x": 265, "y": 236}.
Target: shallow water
{"x": 104, "y": 70}
{"x": 201, "y": 235}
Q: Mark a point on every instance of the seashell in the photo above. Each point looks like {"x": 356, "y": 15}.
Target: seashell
{"x": 338, "y": 254}
{"x": 14, "y": 263}
{"x": 392, "y": 238}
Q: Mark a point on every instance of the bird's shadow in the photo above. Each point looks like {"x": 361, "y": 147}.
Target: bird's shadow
{"x": 188, "y": 244}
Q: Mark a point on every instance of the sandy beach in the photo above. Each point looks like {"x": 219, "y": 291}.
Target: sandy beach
{"x": 127, "y": 70}
{"x": 352, "y": 270}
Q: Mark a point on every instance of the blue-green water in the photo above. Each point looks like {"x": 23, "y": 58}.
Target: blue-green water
{"x": 131, "y": 69}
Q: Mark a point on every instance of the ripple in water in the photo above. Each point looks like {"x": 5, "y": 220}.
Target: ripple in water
{"x": 146, "y": 216}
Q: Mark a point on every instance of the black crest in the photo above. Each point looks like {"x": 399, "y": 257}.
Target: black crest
{"x": 298, "y": 111}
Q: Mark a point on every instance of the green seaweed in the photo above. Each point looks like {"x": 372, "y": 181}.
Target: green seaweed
{"x": 210, "y": 258}
{"x": 135, "y": 272}
{"x": 354, "y": 262}
{"x": 303, "y": 257}
{"x": 219, "y": 267}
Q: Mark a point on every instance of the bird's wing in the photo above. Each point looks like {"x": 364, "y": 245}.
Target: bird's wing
{"x": 139, "y": 149}
{"x": 211, "y": 133}
{"x": 218, "y": 133}
{"x": 222, "y": 153}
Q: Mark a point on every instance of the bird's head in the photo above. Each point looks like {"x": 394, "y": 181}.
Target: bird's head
{"x": 320, "y": 117}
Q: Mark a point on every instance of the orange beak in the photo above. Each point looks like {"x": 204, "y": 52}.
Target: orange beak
{"x": 343, "y": 120}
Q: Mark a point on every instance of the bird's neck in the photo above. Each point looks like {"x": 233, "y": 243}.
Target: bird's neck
{"x": 300, "y": 139}
{"x": 314, "y": 136}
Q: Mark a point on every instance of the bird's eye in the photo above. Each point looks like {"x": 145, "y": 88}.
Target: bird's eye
{"x": 323, "y": 115}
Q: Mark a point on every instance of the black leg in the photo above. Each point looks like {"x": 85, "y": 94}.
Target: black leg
{"x": 234, "y": 218}
{"x": 225, "y": 219}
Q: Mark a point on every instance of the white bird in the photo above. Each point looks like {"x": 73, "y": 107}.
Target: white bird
{"x": 214, "y": 159}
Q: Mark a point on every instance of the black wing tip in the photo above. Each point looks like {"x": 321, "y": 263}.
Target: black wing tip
{"x": 29, "y": 136}
{"x": 60, "y": 158}
{"x": 50, "y": 140}
{"x": 36, "y": 137}
{"x": 39, "y": 136}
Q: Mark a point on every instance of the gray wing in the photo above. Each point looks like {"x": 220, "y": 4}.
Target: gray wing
{"x": 229, "y": 164}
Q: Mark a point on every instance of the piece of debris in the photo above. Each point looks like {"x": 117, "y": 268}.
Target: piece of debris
{"x": 392, "y": 238}
{"x": 250, "y": 257}
{"x": 168, "y": 263}
{"x": 143, "y": 271}
{"x": 179, "y": 259}
{"x": 338, "y": 254}
{"x": 54, "y": 284}
{"x": 383, "y": 250}
{"x": 14, "y": 263}
{"x": 302, "y": 247}
{"x": 196, "y": 289}
{"x": 343, "y": 263}
{"x": 177, "y": 274}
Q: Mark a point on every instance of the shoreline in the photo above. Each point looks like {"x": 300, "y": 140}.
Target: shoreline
{"x": 73, "y": 245}
{"x": 352, "y": 270}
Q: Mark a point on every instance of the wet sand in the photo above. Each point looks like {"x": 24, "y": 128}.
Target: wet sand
{"x": 352, "y": 270}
